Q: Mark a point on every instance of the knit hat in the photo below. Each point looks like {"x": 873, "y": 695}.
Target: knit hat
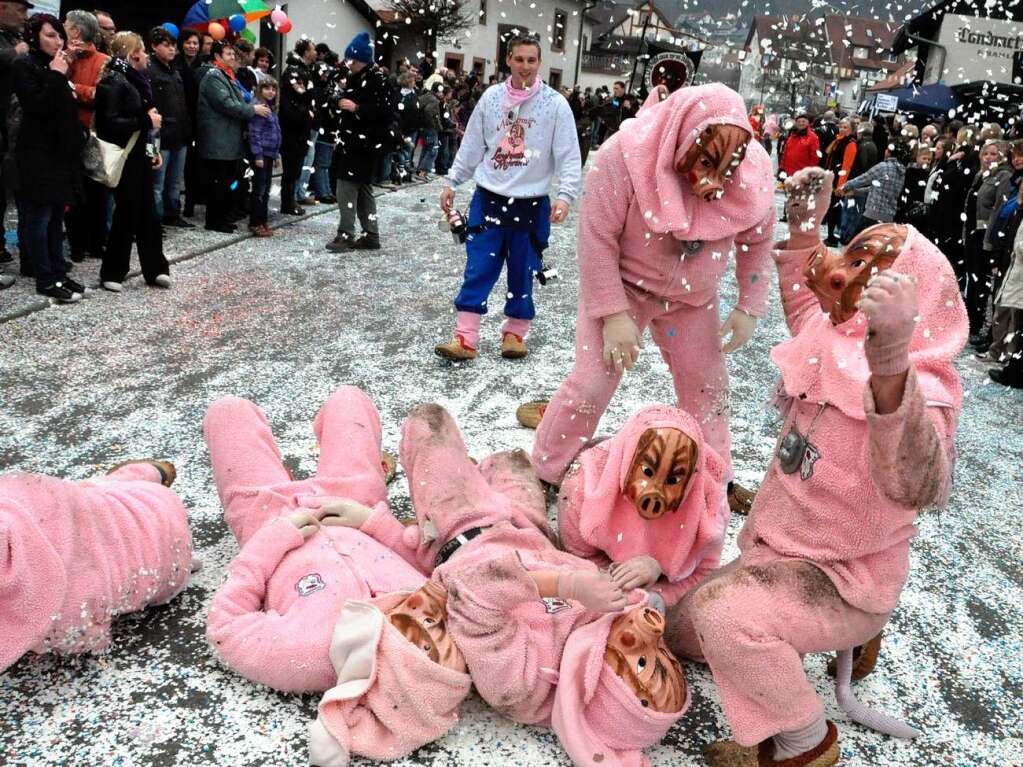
{"x": 360, "y": 48}
{"x": 679, "y": 540}
{"x": 390, "y": 698}
{"x": 597, "y": 717}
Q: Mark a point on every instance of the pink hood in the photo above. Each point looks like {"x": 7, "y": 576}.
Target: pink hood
{"x": 597, "y": 717}
{"x": 654, "y": 142}
{"x": 608, "y": 520}
{"x": 390, "y": 699}
{"x": 826, "y": 363}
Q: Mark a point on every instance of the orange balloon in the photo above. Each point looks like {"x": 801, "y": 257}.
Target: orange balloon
{"x": 217, "y": 31}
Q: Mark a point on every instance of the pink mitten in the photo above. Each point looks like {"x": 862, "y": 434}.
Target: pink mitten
{"x": 807, "y": 196}
{"x": 637, "y": 573}
{"x": 593, "y": 590}
{"x": 889, "y": 304}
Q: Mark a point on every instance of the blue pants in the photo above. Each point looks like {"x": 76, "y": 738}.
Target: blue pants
{"x": 323, "y": 155}
{"x": 488, "y": 250}
{"x": 429, "y": 154}
{"x": 168, "y": 182}
{"x": 44, "y": 240}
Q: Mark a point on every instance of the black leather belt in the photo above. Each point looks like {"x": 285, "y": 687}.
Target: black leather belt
{"x": 449, "y": 548}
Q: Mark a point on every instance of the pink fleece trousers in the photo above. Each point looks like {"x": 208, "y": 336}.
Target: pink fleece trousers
{"x": 687, "y": 337}
{"x": 752, "y": 625}
{"x": 467, "y": 325}
{"x": 251, "y": 479}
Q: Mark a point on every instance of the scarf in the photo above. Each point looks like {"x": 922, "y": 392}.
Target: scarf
{"x": 226, "y": 70}
{"x": 136, "y": 78}
{"x": 516, "y": 97}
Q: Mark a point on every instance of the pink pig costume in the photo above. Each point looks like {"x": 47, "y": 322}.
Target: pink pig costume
{"x": 74, "y": 555}
{"x": 273, "y": 618}
{"x": 598, "y": 522}
{"x": 517, "y": 646}
{"x": 825, "y": 551}
{"x": 648, "y": 245}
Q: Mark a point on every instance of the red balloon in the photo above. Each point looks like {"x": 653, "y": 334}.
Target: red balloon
{"x": 216, "y": 31}
{"x": 284, "y": 27}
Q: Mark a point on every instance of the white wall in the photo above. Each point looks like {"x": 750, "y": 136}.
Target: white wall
{"x": 334, "y": 22}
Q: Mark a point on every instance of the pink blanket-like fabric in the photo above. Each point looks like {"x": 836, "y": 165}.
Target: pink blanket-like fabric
{"x": 74, "y": 555}
{"x": 273, "y": 618}
{"x": 597, "y": 521}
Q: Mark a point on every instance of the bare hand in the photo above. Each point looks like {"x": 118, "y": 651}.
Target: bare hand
{"x": 260, "y": 163}
{"x": 741, "y": 327}
{"x": 559, "y": 212}
{"x": 262, "y": 110}
{"x": 339, "y": 512}
{"x": 158, "y": 162}
{"x": 21, "y": 48}
{"x": 622, "y": 341}
{"x": 637, "y": 573}
{"x": 447, "y": 199}
{"x": 155, "y": 118}
{"x": 593, "y": 590}
{"x": 347, "y": 105}
{"x": 305, "y": 522}
{"x": 59, "y": 63}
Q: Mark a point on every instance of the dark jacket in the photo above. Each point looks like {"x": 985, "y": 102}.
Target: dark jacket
{"x": 952, "y": 188}
{"x": 866, "y": 157}
{"x": 8, "y": 39}
{"x": 121, "y": 111}
{"x": 298, "y": 102}
{"x": 49, "y": 147}
{"x": 368, "y": 131}
{"x": 409, "y": 115}
{"x": 980, "y": 200}
{"x": 429, "y": 108}
{"x": 190, "y": 76}
{"x": 171, "y": 103}
{"x": 223, "y": 115}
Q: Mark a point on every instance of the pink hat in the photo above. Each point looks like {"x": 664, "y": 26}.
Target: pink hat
{"x": 597, "y": 717}
{"x": 390, "y": 698}
{"x": 826, "y": 362}
{"x": 653, "y": 143}
{"x": 680, "y": 540}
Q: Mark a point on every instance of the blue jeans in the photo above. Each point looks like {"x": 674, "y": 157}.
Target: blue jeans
{"x": 429, "y": 155}
{"x": 44, "y": 240}
{"x": 319, "y": 184}
{"x": 168, "y": 182}
{"x": 260, "y": 200}
{"x": 404, "y": 158}
{"x": 307, "y": 167}
{"x": 445, "y": 153}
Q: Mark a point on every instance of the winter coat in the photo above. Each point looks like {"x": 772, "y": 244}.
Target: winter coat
{"x": 1000, "y": 233}
{"x": 429, "y": 108}
{"x": 120, "y": 112}
{"x": 50, "y": 143}
{"x": 8, "y": 39}
{"x": 172, "y": 104}
{"x": 223, "y": 115}
{"x": 827, "y": 132}
{"x": 190, "y": 76}
{"x": 84, "y": 75}
{"x": 298, "y": 107}
{"x": 981, "y": 199}
{"x": 866, "y": 157}
{"x": 1011, "y": 294}
{"x": 365, "y": 133}
{"x": 800, "y": 152}
{"x": 956, "y": 178}
{"x": 840, "y": 157}
{"x": 265, "y": 137}
{"x": 409, "y": 113}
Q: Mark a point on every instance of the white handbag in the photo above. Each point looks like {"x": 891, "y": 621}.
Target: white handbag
{"x": 104, "y": 161}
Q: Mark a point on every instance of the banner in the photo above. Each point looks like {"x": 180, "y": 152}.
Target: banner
{"x": 977, "y": 49}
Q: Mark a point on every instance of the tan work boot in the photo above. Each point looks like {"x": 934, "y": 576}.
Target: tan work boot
{"x": 513, "y": 347}
{"x": 740, "y": 500}
{"x": 864, "y": 659}
{"x": 455, "y": 350}
{"x": 167, "y": 471}
{"x": 531, "y": 413}
{"x": 728, "y": 753}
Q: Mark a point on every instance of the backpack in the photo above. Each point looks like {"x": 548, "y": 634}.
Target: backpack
{"x": 409, "y": 113}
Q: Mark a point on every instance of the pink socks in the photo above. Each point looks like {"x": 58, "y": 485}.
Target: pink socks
{"x": 515, "y": 326}
{"x": 467, "y": 325}
{"x": 790, "y": 744}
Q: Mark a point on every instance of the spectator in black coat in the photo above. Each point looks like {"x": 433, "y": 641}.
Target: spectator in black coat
{"x": 297, "y": 115}
{"x": 12, "y": 22}
{"x": 367, "y": 113}
{"x": 950, "y": 192}
{"x": 175, "y": 131}
{"x": 187, "y": 63}
{"x": 47, "y": 153}
{"x": 125, "y": 109}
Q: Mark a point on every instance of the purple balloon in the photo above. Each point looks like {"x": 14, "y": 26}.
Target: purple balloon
{"x": 237, "y": 22}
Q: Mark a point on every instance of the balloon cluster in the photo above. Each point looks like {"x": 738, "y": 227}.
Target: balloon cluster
{"x": 281, "y": 21}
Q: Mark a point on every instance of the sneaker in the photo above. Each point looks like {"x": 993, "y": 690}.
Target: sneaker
{"x": 307, "y": 200}
{"x": 367, "y": 242}
{"x": 179, "y": 222}
{"x": 328, "y": 200}
{"x": 1005, "y": 377}
{"x": 292, "y": 211}
{"x": 58, "y": 292}
{"x": 222, "y": 228}
{"x": 73, "y": 286}
{"x": 513, "y": 347}
{"x": 6, "y": 280}
{"x": 267, "y": 231}
{"x": 531, "y": 413}
{"x": 161, "y": 281}
{"x": 167, "y": 471}
{"x": 982, "y": 355}
{"x": 341, "y": 243}
{"x": 455, "y": 349}
{"x": 261, "y": 230}
{"x": 113, "y": 287}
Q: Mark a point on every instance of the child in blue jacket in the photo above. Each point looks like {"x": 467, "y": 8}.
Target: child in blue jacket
{"x": 265, "y": 145}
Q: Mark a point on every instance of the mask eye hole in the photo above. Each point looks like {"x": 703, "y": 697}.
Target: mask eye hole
{"x": 704, "y": 162}
{"x": 641, "y": 663}
{"x": 673, "y": 480}
{"x": 859, "y": 263}
{"x": 428, "y": 621}
{"x": 644, "y": 702}
{"x": 647, "y": 471}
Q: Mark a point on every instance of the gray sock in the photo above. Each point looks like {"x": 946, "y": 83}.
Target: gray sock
{"x": 796, "y": 742}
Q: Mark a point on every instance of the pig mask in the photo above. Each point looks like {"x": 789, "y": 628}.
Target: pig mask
{"x": 838, "y": 279}
{"x": 712, "y": 160}
{"x": 422, "y": 620}
{"x": 636, "y": 652}
{"x": 664, "y": 463}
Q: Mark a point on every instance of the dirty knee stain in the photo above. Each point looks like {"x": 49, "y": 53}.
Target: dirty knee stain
{"x": 497, "y": 571}
{"x": 433, "y": 414}
{"x": 815, "y": 586}
{"x": 766, "y": 576}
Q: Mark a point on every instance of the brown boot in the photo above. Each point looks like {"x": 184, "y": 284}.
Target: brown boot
{"x": 740, "y": 500}
{"x": 455, "y": 350}
{"x": 513, "y": 347}
{"x": 531, "y": 413}
{"x": 824, "y": 755}
{"x": 389, "y": 464}
{"x": 728, "y": 753}
{"x": 864, "y": 659}
{"x": 167, "y": 471}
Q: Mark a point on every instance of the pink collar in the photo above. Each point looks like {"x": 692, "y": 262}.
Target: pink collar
{"x": 516, "y": 97}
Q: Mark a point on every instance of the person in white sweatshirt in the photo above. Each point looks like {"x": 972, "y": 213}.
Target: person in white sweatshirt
{"x": 520, "y": 135}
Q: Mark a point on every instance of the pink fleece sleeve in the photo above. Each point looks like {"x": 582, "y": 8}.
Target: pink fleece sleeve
{"x": 606, "y": 198}
{"x": 797, "y": 300}
{"x": 384, "y": 528}
{"x": 910, "y": 449}
{"x": 569, "y": 514}
{"x": 753, "y": 265}
{"x": 673, "y": 592}
{"x": 261, "y": 644}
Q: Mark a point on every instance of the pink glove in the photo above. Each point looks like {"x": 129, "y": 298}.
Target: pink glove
{"x": 889, "y": 304}
{"x": 637, "y": 573}
{"x": 593, "y": 590}
{"x": 807, "y": 197}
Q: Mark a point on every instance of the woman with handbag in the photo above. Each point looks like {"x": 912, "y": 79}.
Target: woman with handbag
{"x": 126, "y": 116}
{"x": 980, "y": 202}
{"x": 49, "y": 144}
